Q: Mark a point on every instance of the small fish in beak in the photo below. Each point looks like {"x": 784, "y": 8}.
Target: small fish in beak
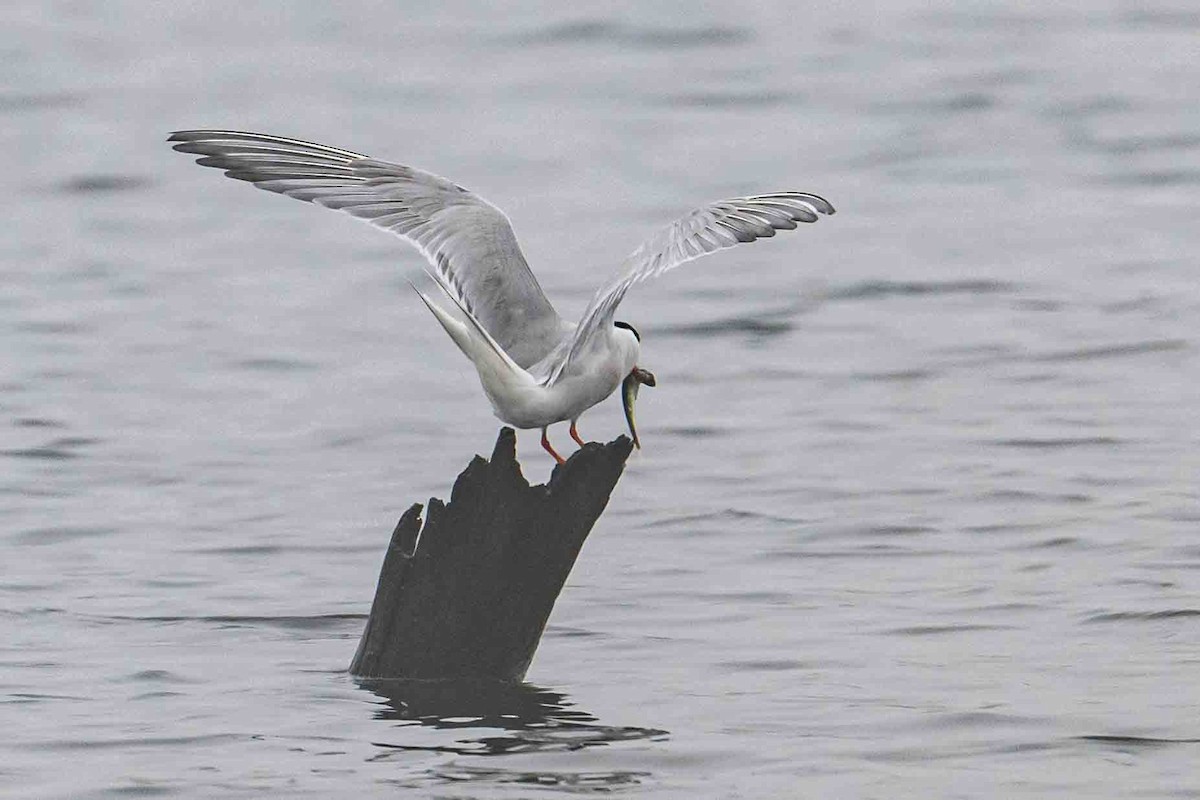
{"x": 629, "y": 392}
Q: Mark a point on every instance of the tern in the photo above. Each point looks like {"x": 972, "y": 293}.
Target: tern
{"x": 536, "y": 368}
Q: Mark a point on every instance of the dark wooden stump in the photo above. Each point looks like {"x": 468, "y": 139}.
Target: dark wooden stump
{"x": 468, "y": 595}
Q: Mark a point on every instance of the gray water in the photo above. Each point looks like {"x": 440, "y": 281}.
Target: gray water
{"x": 917, "y": 511}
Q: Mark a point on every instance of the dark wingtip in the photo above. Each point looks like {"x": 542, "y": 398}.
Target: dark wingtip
{"x": 184, "y": 140}
{"x": 825, "y": 207}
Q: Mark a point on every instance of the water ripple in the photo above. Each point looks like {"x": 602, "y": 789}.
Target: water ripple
{"x": 1056, "y": 443}
{"x": 631, "y": 35}
{"x": 1135, "y": 742}
{"x": 39, "y": 453}
{"x": 896, "y": 376}
{"x": 965, "y": 102}
{"x": 868, "y": 290}
{"x": 59, "y": 535}
{"x": 104, "y": 184}
{"x": 766, "y": 323}
{"x": 1144, "y": 616}
{"x": 941, "y": 630}
{"x": 724, "y": 515}
{"x": 1169, "y": 19}
{"x": 1130, "y": 145}
{"x": 691, "y": 431}
{"x": 155, "y": 676}
{"x": 1156, "y": 177}
{"x": 1028, "y": 496}
{"x": 601, "y": 782}
{"x": 276, "y": 364}
{"x": 1111, "y": 351}
{"x": 129, "y": 743}
{"x": 729, "y": 99}
{"x": 766, "y": 665}
{"x": 315, "y": 622}
{"x": 60, "y": 449}
{"x": 38, "y": 422}
{"x": 18, "y": 102}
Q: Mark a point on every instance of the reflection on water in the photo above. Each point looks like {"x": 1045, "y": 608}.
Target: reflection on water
{"x": 496, "y": 719}
{"x": 533, "y": 719}
{"x": 581, "y": 782}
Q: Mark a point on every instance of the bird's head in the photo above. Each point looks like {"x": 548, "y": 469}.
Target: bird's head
{"x": 633, "y": 381}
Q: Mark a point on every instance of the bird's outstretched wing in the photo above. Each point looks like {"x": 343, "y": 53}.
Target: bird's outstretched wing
{"x": 469, "y": 243}
{"x": 705, "y": 230}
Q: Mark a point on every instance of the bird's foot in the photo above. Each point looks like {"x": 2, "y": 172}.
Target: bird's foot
{"x": 575, "y": 435}
{"x": 551, "y": 450}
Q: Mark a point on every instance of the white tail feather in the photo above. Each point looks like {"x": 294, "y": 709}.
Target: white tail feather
{"x": 498, "y": 373}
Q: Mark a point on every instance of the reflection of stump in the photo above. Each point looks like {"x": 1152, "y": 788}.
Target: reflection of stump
{"x": 490, "y": 718}
{"x": 469, "y": 594}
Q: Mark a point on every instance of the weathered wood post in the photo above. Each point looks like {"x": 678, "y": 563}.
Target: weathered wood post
{"x": 468, "y": 594}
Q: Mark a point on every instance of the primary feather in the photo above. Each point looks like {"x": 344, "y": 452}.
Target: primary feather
{"x": 706, "y": 230}
{"x": 469, "y": 243}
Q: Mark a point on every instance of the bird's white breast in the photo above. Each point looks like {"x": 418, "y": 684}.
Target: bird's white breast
{"x": 532, "y": 405}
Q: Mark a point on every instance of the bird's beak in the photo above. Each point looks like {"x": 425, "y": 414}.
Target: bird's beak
{"x": 629, "y": 393}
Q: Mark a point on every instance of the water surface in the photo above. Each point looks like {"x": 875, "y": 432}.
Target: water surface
{"x": 917, "y": 511}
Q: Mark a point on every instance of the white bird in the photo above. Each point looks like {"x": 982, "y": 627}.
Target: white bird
{"x": 536, "y": 368}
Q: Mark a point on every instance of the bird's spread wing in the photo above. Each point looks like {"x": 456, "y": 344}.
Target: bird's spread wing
{"x": 705, "y": 230}
{"x": 468, "y": 242}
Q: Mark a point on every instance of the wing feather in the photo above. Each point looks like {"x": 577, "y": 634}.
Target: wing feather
{"x": 468, "y": 242}
{"x": 706, "y": 230}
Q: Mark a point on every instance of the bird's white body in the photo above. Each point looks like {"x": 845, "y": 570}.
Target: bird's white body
{"x": 536, "y": 368}
{"x": 574, "y": 392}
{"x": 519, "y": 398}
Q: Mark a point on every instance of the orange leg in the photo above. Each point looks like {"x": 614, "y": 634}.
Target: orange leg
{"x": 575, "y": 434}
{"x": 549, "y": 449}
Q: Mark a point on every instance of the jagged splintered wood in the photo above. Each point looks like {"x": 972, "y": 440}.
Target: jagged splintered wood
{"x": 468, "y": 595}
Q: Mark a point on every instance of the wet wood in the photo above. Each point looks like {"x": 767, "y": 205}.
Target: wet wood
{"x": 468, "y": 594}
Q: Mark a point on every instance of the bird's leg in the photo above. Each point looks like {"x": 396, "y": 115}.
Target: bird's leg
{"x": 575, "y": 434}
{"x": 549, "y": 449}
